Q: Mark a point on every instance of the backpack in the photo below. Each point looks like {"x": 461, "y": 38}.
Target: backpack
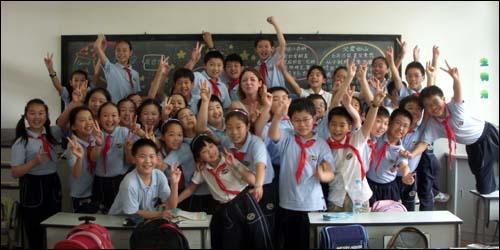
{"x": 158, "y": 234}
{"x": 344, "y": 237}
{"x": 408, "y": 237}
{"x": 388, "y": 206}
{"x": 86, "y": 236}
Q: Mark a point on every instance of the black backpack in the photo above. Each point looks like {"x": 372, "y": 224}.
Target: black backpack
{"x": 408, "y": 237}
{"x": 158, "y": 234}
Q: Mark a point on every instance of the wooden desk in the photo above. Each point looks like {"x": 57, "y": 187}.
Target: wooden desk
{"x": 58, "y": 226}
{"x": 442, "y": 226}
{"x": 490, "y": 210}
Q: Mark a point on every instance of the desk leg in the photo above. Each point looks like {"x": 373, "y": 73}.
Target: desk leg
{"x": 458, "y": 236}
{"x": 44, "y": 237}
{"x": 477, "y": 218}
{"x": 485, "y": 220}
{"x": 203, "y": 235}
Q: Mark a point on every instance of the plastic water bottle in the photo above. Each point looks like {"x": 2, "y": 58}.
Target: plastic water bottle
{"x": 357, "y": 203}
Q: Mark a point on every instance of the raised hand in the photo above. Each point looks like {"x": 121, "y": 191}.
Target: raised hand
{"x": 347, "y": 98}
{"x": 207, "y": 37}
{"x": 230, "y": 160}
{"x": 164, "y": 66}
{"x": 130, "y": 140}
{"x": 378, "y": 98}
{"x": 175, "y": 173}
{"x": 205, "y": 91}
{"x": 389, "y": 55}
{"x": 402, "y": 44}
{"x": 435, "y": 51}
{"x": 48, "y": 61}
{"x": 196, "y": 52}
{"x": 351, "y": 67}
{"x": 409, "y": 178}
{"x": 406, "y": 154}
{"x": 77, "y": 96}
{"x": 363, "y": 68}
{"x": 271, "y": 20}
{"x": 168, "y": 107}
{"x": 76, "y": 148}
{"x": 453, "y": 72}
{"x": 429, "y": 69}
{"x": 266, "y": 97}
{"x": 98, "y": 134}
{"x": 281, "y": 64}
{"x": 416, "y": 54}
{"x": 42, "y": 157}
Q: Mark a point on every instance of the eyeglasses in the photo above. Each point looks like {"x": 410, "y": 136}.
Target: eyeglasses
{"x": 302, "y": 121}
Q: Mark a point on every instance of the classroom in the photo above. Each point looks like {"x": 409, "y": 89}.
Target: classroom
{"x": 300, "y": 123}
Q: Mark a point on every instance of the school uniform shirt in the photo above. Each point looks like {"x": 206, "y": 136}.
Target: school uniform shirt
{"x": 325, "y": 94}
{"x": 271, "y": 147}
{"x": 234, "y": 93}
{"x": 115, "y": 157}
{"x": 21, "y": 154}
{"x": 184, "y": 157}
{"x": 193, "y": 103}
{"x": 347, "y": 170}
{"x": 389, "y": 165}
{"x": 65, "y": 96}
{"x": 229, "y": 177}
{"x": 406, "y": 91}
{"x": 322, "y": 128}
{"x": 410, "y": 140}
{"x": 255, "y": 152}
{"x": 81, "y": 187}
{"x": 220, "y": 133}
{"x": 134, "y": 195}
{"x": 274, "y": 76}
{"x": 467, "y": 129}
{"x": 224, "y": 94}
{"x": 118, "y": 84}
{"x": 306, "y": 195}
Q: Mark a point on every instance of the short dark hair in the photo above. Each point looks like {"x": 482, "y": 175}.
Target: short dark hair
{"x": 183, "y": 72}
{"x": 321, "y": 69}
{"x": 400, "y": 112}
{"x": 168, "y": 123}
{"x": 124, "y": 41}
{"x": 104, "y": 91}
{"x": 381, "y": 58}
{"x": 198, "y": 143}
{"x": 263, "y": 38}
{"x": 240, "y": 114}
{"x": 124, "y": 100}
{"x": 338, "y": 69}
{"x": 79, "y": 72}
{"x": 383, "y": 112}
{"x": 313, "y": 97}
{"x": 143, "y": 143}
{"x": 428, "y": 92}
{"x": 74, "y": 112}
{"x": 104, "y": 105}
{"x": 407, "y": 100}
{"x": 301, "y": 104}
{"x": 213, "y": 98}
{"x": 340, "y": 111}
{"x": 233, "y": 58}
{"x": 415, "y": 65}
{"x": 213, "y": 54}
{"x": 278, "y": 88}
{"x": 145, "y": 103}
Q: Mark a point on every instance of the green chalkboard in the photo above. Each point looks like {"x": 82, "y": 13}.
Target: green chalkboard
{"x": 329, "y": 51}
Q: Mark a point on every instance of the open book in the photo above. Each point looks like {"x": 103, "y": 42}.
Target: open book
{"x": 189, "y": 215}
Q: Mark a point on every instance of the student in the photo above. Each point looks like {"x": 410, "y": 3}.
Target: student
{"x": 213, "y": 68}
{"x": 188, "y": 122}
{"x": 320, "y": 105}
{"x": 145, "y": 190}
{"x": 184, "y": 85}
{"x": 126, "y": 110}
{"x": 316, "y": 78}
{"x": 382, "y": 173}
{"x": 393, "y": 96}
{"x": 269, "y": 56}
{"x": 83, "y": 145}
{"x": 238, "y": 221}
{"x": 34, "y": 162}
{"x": 136, "y": 98}
{"x": 306, "y": 161}
{"x": 452, "y": 121}
{"x": 149, "y": 117}
{"x": 111, "y": 166}
{"x": 251, "y": 151}
{"x": 77, "y": 78}
{"x": 178, "y": 152}
{"x": 210, "y": 119}
{"x": 347, "y": 145}
{"x": 121, "y": 79}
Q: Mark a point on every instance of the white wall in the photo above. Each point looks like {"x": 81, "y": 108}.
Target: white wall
{"x": 465, "y": 32}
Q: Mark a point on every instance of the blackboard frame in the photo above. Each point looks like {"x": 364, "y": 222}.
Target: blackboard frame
{"x": 67, "y": 39}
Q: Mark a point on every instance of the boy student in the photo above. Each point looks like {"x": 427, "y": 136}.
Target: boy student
{"x": 146, "y": 188}
{"x": 269, "y": 56}
{"x": 453, "y": 122}
{"x": 213, "y": 68}
{"x": 306, "y": 161}
{"x": 387, "y": 161}
{"x": 347, "y": 146}
{"x": 121, "y": 79}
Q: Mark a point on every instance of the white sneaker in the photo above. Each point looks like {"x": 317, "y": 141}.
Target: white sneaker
{"x": 442, "y": 197}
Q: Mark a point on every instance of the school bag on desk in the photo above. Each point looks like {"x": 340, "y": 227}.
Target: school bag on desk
{"x": 388, "y": 206}
{"x": 86, "y": 236}
{"x": 158, "y": 234}
{"x": 344, "y": 237}
{"x": 408, "y": 237}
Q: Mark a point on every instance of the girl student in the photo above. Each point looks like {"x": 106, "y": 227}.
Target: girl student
{"x": 34, "y": 162}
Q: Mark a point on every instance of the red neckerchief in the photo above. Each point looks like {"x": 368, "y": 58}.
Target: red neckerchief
{"x": 450, "y": 134}
{"x": 337, "y": 145}
{"x": 215, "y": 87}
{"x": 238, "y": 154}
{"x": 381, "y": 154}
{"x": 129, "y": 73}
{"x": 373, "y": 146}
{"x": 303, "y": 155}
{"x": 105, "y": 150}
{"x": 263, "y": 72}
{"x": 91, "y": 165}
{"x": 215, "y": 173}
{"x": 233, "y": 84}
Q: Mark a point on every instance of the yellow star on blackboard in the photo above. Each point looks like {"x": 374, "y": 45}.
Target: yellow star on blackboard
{"x": 253, "y": 58}
{"x": 244, "y": 55}
{"x": 231, "y": 46}
{"x": 181, "y": 54}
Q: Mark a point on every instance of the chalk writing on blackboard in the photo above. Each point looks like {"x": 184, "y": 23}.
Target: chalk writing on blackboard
{"x": 299, "y": 58}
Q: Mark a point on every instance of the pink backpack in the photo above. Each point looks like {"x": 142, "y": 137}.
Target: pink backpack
{"x": 86, "y": 236}
{"x": 388, "y": 206}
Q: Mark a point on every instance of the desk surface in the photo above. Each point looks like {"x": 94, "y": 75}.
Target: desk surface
{"x": 110, "y": 221}
{"x": 490, "y": 196}
{"x": 394, "y": 218}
